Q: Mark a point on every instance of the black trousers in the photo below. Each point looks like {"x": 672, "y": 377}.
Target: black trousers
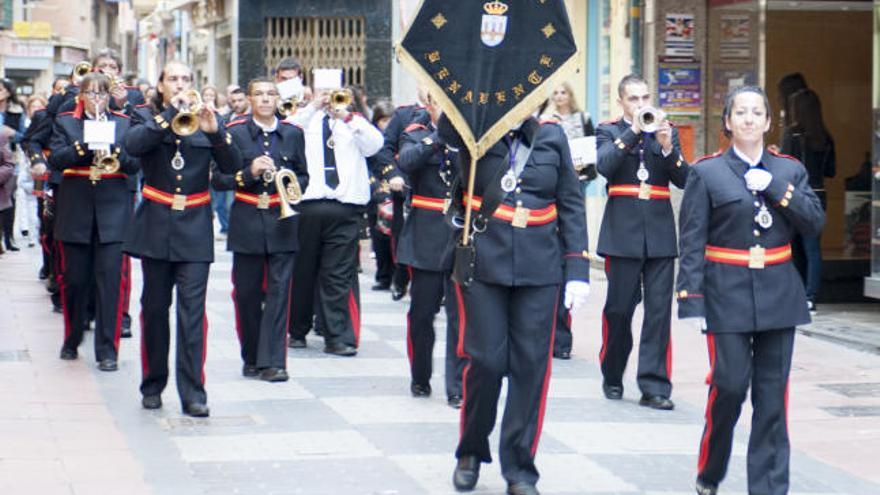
{"x": 400, "y": 276}
{"x": 738, "y": 360}
{"x": 427, "y": 292}
{"x": 506, "y": 331}
{"x": 191, "y": 280}
{"x": 81, "y": 265}
{"x": 328, "y": 236}
{"x": 47, "y": 238}
{"x": 261, "y": 293}
{"x": 7, "y": 221}
{"x": 563, "y": 340}
{"x": 381, "y": 245}
{"x": 626, "y": 277}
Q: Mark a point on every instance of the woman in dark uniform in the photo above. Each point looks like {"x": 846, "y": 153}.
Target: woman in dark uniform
{"x": 739, "y": 214}
{"x": 93, "y": 212}
{"x": 525, "y": 250}
{"x": 173, "y": 234}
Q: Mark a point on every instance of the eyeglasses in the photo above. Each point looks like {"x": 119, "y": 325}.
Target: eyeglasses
{"x": 96, "y": 94}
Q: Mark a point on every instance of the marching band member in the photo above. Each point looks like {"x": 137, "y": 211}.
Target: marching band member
{"x": 638, "y": 242}
{"x": 423, "y": 248}
{"x": 533, "y": 240}
{"x": 176, "y": 140}
{"x": 94, "y": 210}
{"x": 739, "y": 214}
{"x": 264, "y": 245}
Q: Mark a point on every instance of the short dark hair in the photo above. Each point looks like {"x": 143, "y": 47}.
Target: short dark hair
{"x": 253, "y": 82}
{"x": 627, "y": 80}
{"x": 288, "y": 63}
{"x": 107, "y": 53}
{"x": 731, "y": 98}
{"x": 238, "y": 91}
{"x": 382, "y": 109}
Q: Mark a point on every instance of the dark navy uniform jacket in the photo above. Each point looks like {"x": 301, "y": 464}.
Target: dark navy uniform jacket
{"x": 719, "y": 210}
{"x": 386, "y": 159}
{"x": 426, "y": 236}
{"x": 538, "y": 254}
{"x": 83, "y": 205}
{"x": 160, "y": 232}
{"x": 633, "y": 227}
{"x": 39, "y": 133}
{"x": 259, "y": 231}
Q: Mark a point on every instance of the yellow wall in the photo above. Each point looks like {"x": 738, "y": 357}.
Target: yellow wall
{"x": 833, "y": 51}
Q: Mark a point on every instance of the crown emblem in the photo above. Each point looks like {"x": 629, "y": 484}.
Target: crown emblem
{"x": 495, "y": 7}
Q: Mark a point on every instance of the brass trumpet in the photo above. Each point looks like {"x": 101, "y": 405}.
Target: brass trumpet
{"x": 340, "y": 99}
{"x": 647, "y": 118}
{"x": 80, "y": 71}
{"x": 186, "y": 122}
{"x": 105, "y": 159}
{"x": 288, "y": 107}
{"x": 289, "y": 193}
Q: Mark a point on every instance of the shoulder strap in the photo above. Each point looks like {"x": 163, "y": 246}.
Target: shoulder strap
{"x": 493, "y": 195}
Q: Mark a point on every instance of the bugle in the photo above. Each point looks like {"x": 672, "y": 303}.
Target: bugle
{"x": 79, "y": 71}
{"x": 186, "y": 122}
{"x": 289, "y": 192}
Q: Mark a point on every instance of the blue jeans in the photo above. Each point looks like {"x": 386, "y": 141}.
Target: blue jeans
{"x": 220, "y": 201}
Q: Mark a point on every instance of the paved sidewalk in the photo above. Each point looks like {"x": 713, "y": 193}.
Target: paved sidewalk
{"x": 349, "y": 425}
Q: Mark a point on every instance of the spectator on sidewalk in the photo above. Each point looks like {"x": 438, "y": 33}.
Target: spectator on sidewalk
{"x": 7, "y": 181}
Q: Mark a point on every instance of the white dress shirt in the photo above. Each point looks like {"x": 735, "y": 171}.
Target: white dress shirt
{"x": 354, "y": 141}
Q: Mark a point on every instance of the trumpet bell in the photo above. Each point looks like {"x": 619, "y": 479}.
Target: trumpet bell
{"x": 647, "y": 118}
{"x": 109, "y": 164}
{"x": 287, "y": 107}
{"x": 341, "y": 98}
{"x": 186, "y": 122}
{"x": 289, "y": 191}
{"x": 80, "y": 71}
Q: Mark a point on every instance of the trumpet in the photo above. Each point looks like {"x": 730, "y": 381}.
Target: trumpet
{"x": 79, "y": 71}
{"x": 186, "y": 122}
{"x": 288, "y": 107}
{"x": 290, "y": 193}
{"x": 340, "y": 99}
{"x": 647, "y": 119}
{"x": 104, "y": 159}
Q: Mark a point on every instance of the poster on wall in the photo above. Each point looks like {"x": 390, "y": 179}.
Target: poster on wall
{"x": 725, "y": 80}
{"x": 679, "y": 89}
{"x": 736, "y": 30}
{"x": 679, "y": 40}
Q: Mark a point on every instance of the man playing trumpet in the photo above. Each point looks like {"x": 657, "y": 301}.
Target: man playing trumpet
{"x": 639, "y": 154}
{"x": 263, "y": 231}
{"x": 93, "y": 213}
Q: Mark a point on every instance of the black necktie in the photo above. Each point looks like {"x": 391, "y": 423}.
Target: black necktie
{"x": 331, "y": 176}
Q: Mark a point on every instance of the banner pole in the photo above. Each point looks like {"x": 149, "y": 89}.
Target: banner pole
{"x": 472, "y": 173}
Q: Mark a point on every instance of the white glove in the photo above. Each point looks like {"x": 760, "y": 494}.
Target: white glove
{"x": 576, "y": 293}
{"x": 758, "y": 179}
{"x": 699, "y": 321}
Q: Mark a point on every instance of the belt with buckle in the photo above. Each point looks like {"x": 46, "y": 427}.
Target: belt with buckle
{"x": 641, "y": 191}
{"x": 519, "y": 216}
{"x": 92, "y": 173}
{"x": 756, "y": 257}
{"x": 429, "y": 203}
{"x": 262, "y": 201}
{"x": 177, "y": 202}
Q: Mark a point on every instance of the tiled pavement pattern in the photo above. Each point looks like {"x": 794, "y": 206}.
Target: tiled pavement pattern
{"x": 340, "y": 426}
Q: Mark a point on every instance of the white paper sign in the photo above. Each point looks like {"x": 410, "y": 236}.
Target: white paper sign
{"x": 99, "y": 134}
{"x": 291, "y": 88}
{"x": 583, "y": 151}
{"x": 327, "y": 78}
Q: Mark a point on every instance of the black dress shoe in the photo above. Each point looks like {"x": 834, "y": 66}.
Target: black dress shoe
{"x": 68, "y": 354}
{"x": 657, "y": 402}
{"x": 397, "y": 293}
{"x": 419, "y": 390}
{"x": 340, "y": 349}
{"x": 704, "y": 488}
{"x": 296, "y": 343}
{"x": 522, "y": 488}
{"x": 466, "y": 474}
{"x": 126, "y": 326}
{"x": 250, "y": 371}
{"x": 44, "y": 273}
{"x": 108, "y": 365}
{"x": 151, "y": 401}
{"x": 613, "y": 392}
{"x": 381, "y": 286}
{"x": 10, "y": 246}
{"x": 454, "y": 401}
{"x": 196, "y": 410}
{"x": 57, "y": 309}
{"x": 274, "y": 375}
{"x": 562, "y": 354}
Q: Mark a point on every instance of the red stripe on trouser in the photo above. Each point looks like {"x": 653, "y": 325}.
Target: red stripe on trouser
{"x": 235, "y": 309}
{"x": 355, "y": 315}
{"x": 287, "y": 318}
{"x": 713, "y": 394}
{"x": 204, "y": 344}
{"x": 265, "y": 286}
{"x": 604, "y": 347}
{"x": 669, "y": 357}
{"x": 59, "y": 279}
{"x": 462, "y": 325}
{"x": 545, "y": 388}
{"x": 126, "y": 275}
{"x": 117, "y": 331}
